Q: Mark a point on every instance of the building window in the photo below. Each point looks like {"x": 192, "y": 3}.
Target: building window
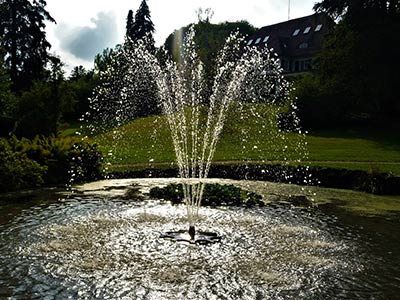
{"x": 257, "y": 41}
{"x": 296, "y": 32}
{"x": 303, "y": 45}
{"x": 307, "y": 30}
{"x": 249, "y": 42}
{"x": 266, "y": 39}
{"x": 318, "y": 28}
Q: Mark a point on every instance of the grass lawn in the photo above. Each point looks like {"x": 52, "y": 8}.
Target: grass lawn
{"x": 251, "y": 134}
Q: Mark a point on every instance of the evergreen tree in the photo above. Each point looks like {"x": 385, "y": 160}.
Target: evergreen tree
{"x": 77, "y": 73}
{"x": 129, "y": 25}
{"x": 22, "y": 24}
{"x": 102, "y": 61}
{"x": 143, "y": 27}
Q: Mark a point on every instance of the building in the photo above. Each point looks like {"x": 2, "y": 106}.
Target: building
{"x": 296, "y": 42}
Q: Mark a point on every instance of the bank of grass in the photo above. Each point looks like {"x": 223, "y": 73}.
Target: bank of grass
{"x": 360, "y": 203}
{"x": 250, "y": 134}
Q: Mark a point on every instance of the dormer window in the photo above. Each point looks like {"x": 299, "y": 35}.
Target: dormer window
{"x": 249, "y": 42}
{"x": 257, "y": 40}
{"x": 318, "y": 28}
{"x": 303, "y": 45}
{"x": 307, "y": 30}
{"x": 266, "y": 39}
{"x": 296, "y": 32}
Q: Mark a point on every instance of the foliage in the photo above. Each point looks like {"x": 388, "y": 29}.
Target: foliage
{"x": 141, "y": 28}
{"x": 315, "y": 108}
{"x": 172, "y": 192}
{"x": 7, "y": 98}
{"x": 356, "y": 78}
{"x": 64, "y": 159}
{"x": 22, "y": 25}
{"x": 210, "y": 38}
{"x": 40, "y": 108}
{"x": 214, "y": 195}
{"x": 86, "y": 162}
{"x": 127, "y": 88}
{"x": 103, "y": 60}
{"x": 17, "y": 170}
{"x": 81, "y": 84}
{"x": 129, "y": 25}
{"x": 357, "y": 11}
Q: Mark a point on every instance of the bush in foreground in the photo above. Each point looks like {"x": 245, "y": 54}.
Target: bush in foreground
{"x": 214, "y": 195}
{"x": 17, "y": 170}
{"x": 28, "y": 163}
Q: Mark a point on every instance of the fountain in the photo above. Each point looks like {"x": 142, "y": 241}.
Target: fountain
{"x": 195, "y": 118}
{"x": 194, "y": 135}
{"x": 100, "y": 242}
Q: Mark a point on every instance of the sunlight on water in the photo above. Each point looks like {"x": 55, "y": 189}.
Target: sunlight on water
{"x": 97, "y": 245}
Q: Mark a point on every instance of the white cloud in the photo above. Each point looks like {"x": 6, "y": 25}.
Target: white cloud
{"x": 85, "y": 42}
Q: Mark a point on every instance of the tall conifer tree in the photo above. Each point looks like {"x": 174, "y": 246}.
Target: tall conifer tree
{"x": 143, "y": 27}
{"x": 129, "y": 25}
{"x": 22, "y": 26}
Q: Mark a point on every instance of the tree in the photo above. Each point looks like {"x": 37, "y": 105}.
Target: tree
{"x": 103, "y": 60}
{"x": 7, "y": 101}
{"x": 210, "y": 38}
{"x": 204, "y": 15}
{"x": 81, "y": 82}
{"x": 143, "y": 27}
{"x": 5, "y": 93}
{"x": 133, "y": 82}
{"x": 356, "y": 77}
{"x": 77, "y": 73}
{"x": 22, "y": 24}
{"x": 356, "y": 11}
{"x": 41, "y": 108}
{"x": 129, "y": 25}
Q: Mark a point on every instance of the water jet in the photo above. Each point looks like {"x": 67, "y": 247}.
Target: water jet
{"x": 196, "y": 122}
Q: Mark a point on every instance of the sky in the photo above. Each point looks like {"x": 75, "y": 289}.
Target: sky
{"x": 85, "y": 27}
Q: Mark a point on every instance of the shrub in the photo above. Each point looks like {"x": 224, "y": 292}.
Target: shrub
{"x": 214, "y": 195}
{"x": 49, "y": 160}
{"x": 86, "y": 161}
{"x": 17, "y": 170}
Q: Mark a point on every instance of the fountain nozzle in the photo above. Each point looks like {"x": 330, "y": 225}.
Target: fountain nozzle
{"x": 192, "y": 232}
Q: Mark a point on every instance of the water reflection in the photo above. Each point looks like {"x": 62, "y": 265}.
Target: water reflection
{"x": 97, "y": 244}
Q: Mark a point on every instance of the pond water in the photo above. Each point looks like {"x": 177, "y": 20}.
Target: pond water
{"x": 97, "y": 243}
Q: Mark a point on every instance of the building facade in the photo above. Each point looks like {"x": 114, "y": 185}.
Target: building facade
{"x": 296, "y": 42}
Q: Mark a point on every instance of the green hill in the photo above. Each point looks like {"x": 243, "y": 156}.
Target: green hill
{"x": 250, "y": 135}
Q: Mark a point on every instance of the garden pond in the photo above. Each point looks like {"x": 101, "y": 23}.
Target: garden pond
{"x": 101, "y": 240}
